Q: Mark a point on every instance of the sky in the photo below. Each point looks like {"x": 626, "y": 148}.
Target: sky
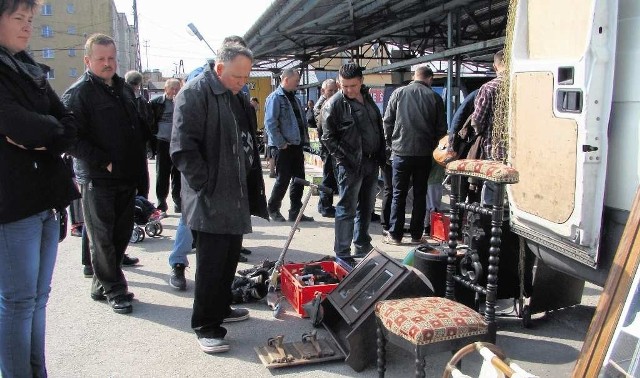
{"x": 164, "y": 40}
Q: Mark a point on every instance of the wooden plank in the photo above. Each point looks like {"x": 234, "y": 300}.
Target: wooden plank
{"x": 616, "y": 289}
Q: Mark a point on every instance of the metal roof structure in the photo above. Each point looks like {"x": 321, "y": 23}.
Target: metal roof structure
{"x": 382, "y": 35}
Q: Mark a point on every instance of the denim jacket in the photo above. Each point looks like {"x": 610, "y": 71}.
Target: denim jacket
{"x": 280, "y": 121}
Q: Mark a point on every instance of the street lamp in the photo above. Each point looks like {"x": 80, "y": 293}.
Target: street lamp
{"x": 194, "y": 31}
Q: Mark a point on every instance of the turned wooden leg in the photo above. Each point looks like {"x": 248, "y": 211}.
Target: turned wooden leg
{"x": 420, "y": 365}
{"x": 381, "y": 362}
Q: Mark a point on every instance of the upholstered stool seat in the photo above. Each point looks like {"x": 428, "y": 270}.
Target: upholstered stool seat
{"x": 484, "y": 169}
{"x": 429, "y": 319}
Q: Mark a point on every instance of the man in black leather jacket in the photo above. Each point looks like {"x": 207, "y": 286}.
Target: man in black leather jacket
{"x": 110, "y": 158}
{"x": 352, "y": 132}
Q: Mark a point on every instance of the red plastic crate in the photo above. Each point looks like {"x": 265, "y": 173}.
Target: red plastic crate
{"x": 298, "y": 294}
{"x": 440, "y": 223}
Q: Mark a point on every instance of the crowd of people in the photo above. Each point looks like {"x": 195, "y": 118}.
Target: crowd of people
{"x": 202, "y": 134}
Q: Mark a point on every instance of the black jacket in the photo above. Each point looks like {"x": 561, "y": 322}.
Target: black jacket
{"x": 109, "y": 130}
{"x": 32, "y": 181}
{"x": 340, "y": 133}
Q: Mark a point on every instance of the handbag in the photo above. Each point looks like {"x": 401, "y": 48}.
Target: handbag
{"x": 64, "y": 222}
{"x": 443, "y": 154}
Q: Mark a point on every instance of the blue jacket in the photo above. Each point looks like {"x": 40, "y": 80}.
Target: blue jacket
{"x": 280, "y": 121}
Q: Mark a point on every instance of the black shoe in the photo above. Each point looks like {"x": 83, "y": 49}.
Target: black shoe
{"x": 242, "y": 259}
{"x": 375, "y": 217}
{"x": 177, "y": 209}
{"x": 245, "y": 251}
{"x": 162, "y": 206}
{"x": 121, "y": 304}
{"x": 276, "y": 216}
{"x": 129, "y": 261}
{"x": 101, "y": 297}
{"x": 87, "y": 271}
{"x": 330, "y": 213}
{"x": 303, "y": 218}
{"x": 177, "y": 279}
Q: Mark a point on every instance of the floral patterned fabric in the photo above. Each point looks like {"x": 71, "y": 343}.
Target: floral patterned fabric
{"x": 429, "y": 319}
{"x": 484, "y": 169}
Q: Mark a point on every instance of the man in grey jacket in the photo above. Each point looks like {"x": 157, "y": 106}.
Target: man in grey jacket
{"x": 414, "y": 121}
{"x": 213, "y": 145}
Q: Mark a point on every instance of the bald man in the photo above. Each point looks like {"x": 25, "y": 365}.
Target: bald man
{"x": 162, "y": 109}
{"x": 325, "y": 204}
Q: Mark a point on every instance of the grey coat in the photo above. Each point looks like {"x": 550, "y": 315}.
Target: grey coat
{"x": 206, "y": 147}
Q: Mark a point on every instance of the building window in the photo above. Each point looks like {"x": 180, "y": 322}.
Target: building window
{"x": 47, "y": 9}
{"x": 71, "y": 30}
{"x": 72, "y": 52}
{"x": 48, "y": 54}
{"x": 47, "y": 31}
{"x": 73, "y": 72}
{"x": 71, "y": 9}
{"x": 51, "y": 74}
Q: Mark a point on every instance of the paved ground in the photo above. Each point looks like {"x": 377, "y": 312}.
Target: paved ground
{"x": 86, "y": 339}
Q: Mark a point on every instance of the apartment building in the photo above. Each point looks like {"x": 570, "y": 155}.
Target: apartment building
{"x": 60, "y": 32}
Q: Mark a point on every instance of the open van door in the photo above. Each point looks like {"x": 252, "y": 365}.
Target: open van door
{"x": 562, "y": 65}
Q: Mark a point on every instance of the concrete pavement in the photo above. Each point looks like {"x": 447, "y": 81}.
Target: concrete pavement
{"x": 86, "y": 339}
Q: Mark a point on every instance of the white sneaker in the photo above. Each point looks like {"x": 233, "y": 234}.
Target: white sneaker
{"x": 211, "y": 345}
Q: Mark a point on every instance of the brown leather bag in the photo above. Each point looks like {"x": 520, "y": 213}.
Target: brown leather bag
{"x": 443, "y": 154}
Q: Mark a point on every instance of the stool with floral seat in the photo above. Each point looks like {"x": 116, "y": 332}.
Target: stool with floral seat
{"x": 428, "y": 325}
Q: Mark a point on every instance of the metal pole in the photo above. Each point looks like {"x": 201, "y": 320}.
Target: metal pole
{"x": 449, "y": 68}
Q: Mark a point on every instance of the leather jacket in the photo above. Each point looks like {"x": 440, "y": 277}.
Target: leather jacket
{"x": 340, "y": 132}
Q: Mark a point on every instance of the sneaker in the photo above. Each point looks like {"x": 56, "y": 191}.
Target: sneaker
{"x": 237, "y": 315}
{"x": 385, "y": 232}
{"x": 211, "y": 345}
{"x": 157, "y": 215}
{"x": 121, "y": 304}
{"x": 390, "y": 240}
{"x": 420, "y": 240}
{"x": 276, "y": 216}
{"x": 76, "y": 230}
{"x": 87, "y": 271}
{"x": 177, "y": 279}
{"x": 129, "y": 261}
{"x": 303, "y": 218}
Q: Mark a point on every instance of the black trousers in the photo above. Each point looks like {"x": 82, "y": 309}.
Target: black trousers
{"x": 325, "y": 202}
{"x": 409, "y": 170}
{"x": 289, "y": 164}
{"x": 144, "y": 184}
{"x": 165, "y": 172}
{"x": 387, "y": 195}
{"x": 216, "y": 262}
{"x": 108, "y": 219}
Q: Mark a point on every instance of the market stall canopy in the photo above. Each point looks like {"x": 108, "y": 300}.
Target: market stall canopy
{"x": 383, "y": 35}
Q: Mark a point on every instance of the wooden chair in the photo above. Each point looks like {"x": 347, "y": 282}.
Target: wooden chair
{"x": 432, "y": 324}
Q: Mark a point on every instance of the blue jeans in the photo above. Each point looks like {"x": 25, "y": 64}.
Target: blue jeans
{"x": 406, "y": 170}
{"x": 353, "y": 210}
{"x": 182, "y": 245}
{"x": 28, "y": 250}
